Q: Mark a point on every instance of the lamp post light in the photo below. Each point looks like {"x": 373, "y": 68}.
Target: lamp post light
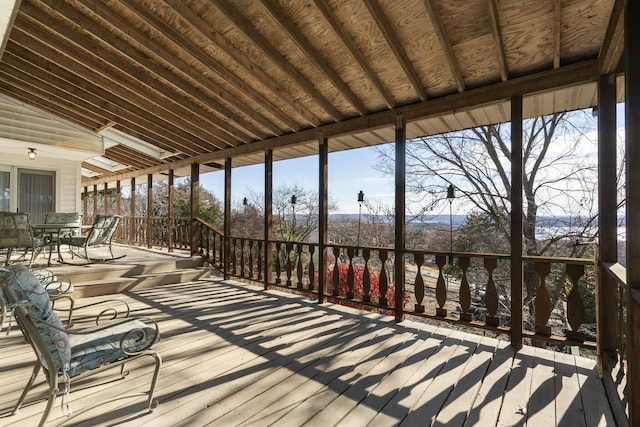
{"x": 360, "y": 201}
{"x": 245, "y": 202}
{"x": 451, "y": 195}
{"x": 294, "y": 199}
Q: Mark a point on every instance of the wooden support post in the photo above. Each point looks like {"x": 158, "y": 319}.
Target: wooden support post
{"x": 323, "y": 214}
{"x": 517, "y": 276}
{"x": 95, "y": 201}
{"x": 400, "y": 229}
{"x": 85, "y": 205}
{"x": 132, "y": 212}
{"x": 632, "y": 155}
{"x": 170, "y": 211}
{"x": 268, "y": 216}
{"x": 227, "y": 218}
{"x": 195, "y": 208}
{"x": 607, "y": 220}
{"x": 105, "y": 198}
{"x": 119, "y": 208}
{"x": 149, "y": 211}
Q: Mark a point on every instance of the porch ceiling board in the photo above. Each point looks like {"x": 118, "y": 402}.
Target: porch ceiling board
{"x": 211, "y": 80}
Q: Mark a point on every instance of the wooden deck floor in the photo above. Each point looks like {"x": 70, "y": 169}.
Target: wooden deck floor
{"x": 234, "y": 355}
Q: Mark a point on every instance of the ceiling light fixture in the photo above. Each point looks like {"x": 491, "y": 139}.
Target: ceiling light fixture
{"x": 32, "y": 153}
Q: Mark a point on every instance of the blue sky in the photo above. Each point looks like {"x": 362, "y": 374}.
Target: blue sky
{"x": 349, "y": 172}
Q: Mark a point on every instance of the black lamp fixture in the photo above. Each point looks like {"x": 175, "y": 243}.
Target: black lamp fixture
{"x": 245, "y": 201}
{"x": 294, "y": 199}
{"x": 451, "y": 194}
{"x": 32, "y": 153}
{"x": 360, "y": 201}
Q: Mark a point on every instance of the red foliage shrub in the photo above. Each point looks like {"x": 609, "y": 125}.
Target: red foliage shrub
{"x": 358, "y": 286}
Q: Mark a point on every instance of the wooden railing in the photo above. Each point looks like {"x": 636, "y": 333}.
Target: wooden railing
{"x": 474, "y": 291}
{"x": 465, "y": 288}
{"x": 615, "y": 363}
{"x": 134, "y": 231}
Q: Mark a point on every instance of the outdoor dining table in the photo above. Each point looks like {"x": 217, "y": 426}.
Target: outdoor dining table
{"x": 54, "y": 230}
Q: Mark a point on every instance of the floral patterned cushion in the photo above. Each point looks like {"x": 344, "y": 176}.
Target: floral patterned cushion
{"x": 100, "y": 345}
{"x": 30, "y": 293}
{"x": 57, "y": 340}
{"x": 22, "y": 283}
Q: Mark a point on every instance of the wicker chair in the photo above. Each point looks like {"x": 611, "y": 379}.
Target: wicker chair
{"x": 66, "y": 356}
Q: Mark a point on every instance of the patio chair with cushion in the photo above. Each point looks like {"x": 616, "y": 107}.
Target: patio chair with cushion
{"x": 66, "y": 356}
{"x": 16, "y": 234}
{"x": 100, "y": 234}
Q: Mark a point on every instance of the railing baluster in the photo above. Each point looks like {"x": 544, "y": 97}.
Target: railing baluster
{"x": 311, "y": 269}
{"x": 441, "y": 288}
{"x": 465, "y": 292}
{"x": 335, "y": 285}
{"x": 288, "y": 248}
{"x": 384, "y": 279}
{"x": 366, "y": 276}
{"x": 260, "y": 256}
{"x": 543, "y": 301}
{"x": 243, "y": 260}
{"x": 350, "y": 274}
{"x": 299, "y": 265}
{"x": 575, "y": 306}
{"x": 491, "y": 293}
{"x": 250, "y": 259}
{"x": 419, "y": 283}
{"x": 278, "y": 266}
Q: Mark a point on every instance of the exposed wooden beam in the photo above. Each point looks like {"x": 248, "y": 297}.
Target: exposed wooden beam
{"x": 613, "y": 45}
{"x": 247, "y": 64}
{"x": 67, "y": 87}
{"x": 569, "y": 75}
{"x": 392, "y": 40}
{"x": 357, "y": 55}
{"x": 111, "y": 76}
{"x": 441, "y": 32}
{"x": 312, "y": 54}
{"x": 494, "y": 19}
{"x": 557, "y": 15}
{"x": 254, "y": 37}
{"x": 157, "y": 68}
{"x": 241, "y": 89}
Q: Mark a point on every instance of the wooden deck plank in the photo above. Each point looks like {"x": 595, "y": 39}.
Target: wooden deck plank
{"x": 235, "y": 354}
{"x": 569, "y": 409}
{"x": 278, "y": 368}
{"x": 597, "y": 411}
{"x": 465, "y": 389}
{"x": 516, "y": 395}
{"x": 390, "y": 402}
{"x": 541, "y": 410}
{"x": 486, "y": 406}
{"x": 447, "y": 372}
{"x": 341, "y": 394}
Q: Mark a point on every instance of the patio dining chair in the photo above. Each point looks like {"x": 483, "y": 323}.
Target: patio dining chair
{"x": 66, "y": 356}
{"x": 16, "y": 234}
{"x": 100, "y": 234}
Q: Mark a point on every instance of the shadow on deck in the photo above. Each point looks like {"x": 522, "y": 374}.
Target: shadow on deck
{"x": 235, "y": 354}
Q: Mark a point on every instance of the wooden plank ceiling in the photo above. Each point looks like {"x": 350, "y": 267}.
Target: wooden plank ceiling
{"x": 202, "y": 80}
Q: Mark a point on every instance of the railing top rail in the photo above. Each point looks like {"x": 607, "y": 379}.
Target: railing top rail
{"x": 561, "y": 260}
{"x": 617, "y": 271}
{"x": 209, "y": 226}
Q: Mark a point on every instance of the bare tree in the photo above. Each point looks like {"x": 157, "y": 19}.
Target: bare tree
{"x": 559, "y": 179}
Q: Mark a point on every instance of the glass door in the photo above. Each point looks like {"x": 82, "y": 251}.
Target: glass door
{"x": 5, "y": 190}
{"x": 37, "y": 195}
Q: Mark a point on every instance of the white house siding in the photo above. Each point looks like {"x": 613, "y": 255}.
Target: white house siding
{"x": 67, "y": 178}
